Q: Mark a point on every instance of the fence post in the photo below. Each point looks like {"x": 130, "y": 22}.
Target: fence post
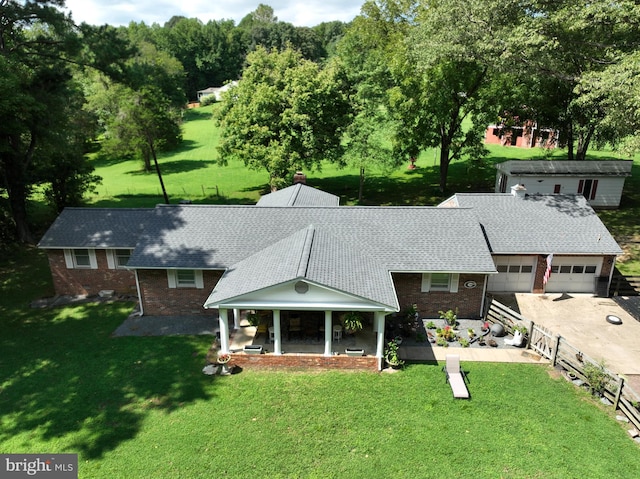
{"x": 529, "y": 335}
{"x": 555, "y": 350}
{"x": 616, "y": 401}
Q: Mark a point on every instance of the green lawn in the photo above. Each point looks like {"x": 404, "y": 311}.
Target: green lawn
{"x": 140, "y": 407}
{"x": 191, "y": 173}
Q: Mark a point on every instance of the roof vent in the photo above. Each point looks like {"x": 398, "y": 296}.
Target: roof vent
{"x": 519, "y": 191}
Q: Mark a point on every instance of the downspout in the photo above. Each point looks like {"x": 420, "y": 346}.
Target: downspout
{"x": 141, "y": 313}
{"x": 484, "y": 295}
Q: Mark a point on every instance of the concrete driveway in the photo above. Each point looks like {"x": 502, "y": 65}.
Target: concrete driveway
{"x": 581, "y": 320}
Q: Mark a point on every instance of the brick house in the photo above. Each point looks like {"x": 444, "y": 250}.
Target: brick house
{"x": 289, "y": 259}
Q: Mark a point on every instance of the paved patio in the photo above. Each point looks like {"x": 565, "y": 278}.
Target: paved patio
{"x": 581, "y": 320}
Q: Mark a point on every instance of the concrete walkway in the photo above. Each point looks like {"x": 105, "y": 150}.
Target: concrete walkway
{"x": 486, "y": 354}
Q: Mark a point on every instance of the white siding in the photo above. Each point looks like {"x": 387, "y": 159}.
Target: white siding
{"x": 608, "y": 193}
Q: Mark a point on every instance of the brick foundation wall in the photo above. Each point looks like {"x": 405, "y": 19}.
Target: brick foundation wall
{"x": 304, "y": 362}
{"x": 467, "y": 301}
{"x": 160, "y": 300}
{"x": 89, "y": 281}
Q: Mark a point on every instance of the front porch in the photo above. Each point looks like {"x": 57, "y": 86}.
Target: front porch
{"x": 313, "y": 342}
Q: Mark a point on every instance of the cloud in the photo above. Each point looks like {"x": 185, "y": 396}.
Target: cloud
{"x": 122, "y": 12}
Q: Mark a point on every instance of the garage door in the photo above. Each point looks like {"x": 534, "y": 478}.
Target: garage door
{"x": 515, "y": 274}
{"x": 573, "y": 275}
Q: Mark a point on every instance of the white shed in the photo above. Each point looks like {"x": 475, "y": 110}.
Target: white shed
{"x": 600, "y": 182}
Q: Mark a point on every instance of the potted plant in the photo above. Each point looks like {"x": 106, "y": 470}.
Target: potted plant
{"x": 253, "y": 318}
{"x": 450, "y": 316}
{"x": 391, "y": 355}
{"x": 352, "y": 322}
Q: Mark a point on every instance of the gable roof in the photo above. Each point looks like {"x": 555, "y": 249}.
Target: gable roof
{"x": 299, "y": 195}
{"x": 538, "y": 224}
{"x": 96, "y": 228}
{"x": 314, "y": 256}
{"x": 399, "y": 238}
{"x": 566, "y": 167}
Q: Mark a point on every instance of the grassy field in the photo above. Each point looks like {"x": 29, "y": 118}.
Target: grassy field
{"x": 191, "y": 173}
{"x": 140, "y": 407}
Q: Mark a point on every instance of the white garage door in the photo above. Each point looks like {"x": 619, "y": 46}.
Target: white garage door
{"x": 515, "y": 274}
{"x": 573, "y": 275}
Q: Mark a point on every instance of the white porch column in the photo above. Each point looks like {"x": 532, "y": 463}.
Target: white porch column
{"x": 236, "y": 318}
{"x": 379, "y": 322}
{"x": 328, "y": 333}
{"x": 277, "y": 340}
{"x": 224, "y": 330}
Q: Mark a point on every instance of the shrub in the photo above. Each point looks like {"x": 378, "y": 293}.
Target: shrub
{"x": 597, "y": 377}
{"x": 208, "y": 100}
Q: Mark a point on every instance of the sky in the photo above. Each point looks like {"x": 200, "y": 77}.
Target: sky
{"x": 121, "y": 12}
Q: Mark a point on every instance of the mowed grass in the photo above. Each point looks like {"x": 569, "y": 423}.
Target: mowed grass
{"x": 191, "y": 173}
{"x": 140, "y": 407}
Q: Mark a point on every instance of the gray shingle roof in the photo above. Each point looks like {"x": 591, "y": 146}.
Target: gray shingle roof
{"x": 540, "y": 224}
{"x": 312, "y": 255}
{"x": 400, "y": 238}
{"x": 567, "y": 168}
{"x": 96, "y": 228}
{"x": 299, "y": 195}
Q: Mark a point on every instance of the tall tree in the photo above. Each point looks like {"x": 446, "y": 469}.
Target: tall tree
{"x": 38, "y": 46}
{"x": 563, "y": 42}
{"x": 457, "y": 48}
{"x": 286, "y": 114}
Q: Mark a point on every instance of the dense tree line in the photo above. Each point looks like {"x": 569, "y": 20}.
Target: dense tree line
{"x": 434, "y": 74}
{"x": 66, "y": 85}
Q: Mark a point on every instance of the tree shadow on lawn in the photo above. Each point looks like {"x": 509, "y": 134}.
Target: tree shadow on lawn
{"x": 103, "y": 160}
{"x": 66, "y": 380}
{"x": 175, "y": 166}
{"x": 420, "y": 186}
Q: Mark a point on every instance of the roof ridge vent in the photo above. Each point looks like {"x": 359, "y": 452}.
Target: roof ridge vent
{"x": 306, "y": 252}
{"x": 294, "y": 194}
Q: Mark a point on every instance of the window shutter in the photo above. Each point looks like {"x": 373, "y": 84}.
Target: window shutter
{"x": 199, "y": 280}
{"x": 580, "y": 186}
{"x": 111, "y": 259}
{"x": 68, "y": 258}
{"x": 171, "y": 277}
{"x": 93, "y": 262}
{"x": 426, "y": 282}
{"x": 455, "y": 278}
{"x": 593, "y": 189}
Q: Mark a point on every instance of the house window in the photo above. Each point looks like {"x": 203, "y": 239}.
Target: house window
{"x": 556, "y": 189}
{"x": 122, "y": 257}
{"x": 80, "y": 258}
{"x": 185, "y": 278}
{"x": 440, "y": 282}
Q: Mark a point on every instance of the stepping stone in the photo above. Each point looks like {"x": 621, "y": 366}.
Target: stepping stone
{"x": 622, "y": 418}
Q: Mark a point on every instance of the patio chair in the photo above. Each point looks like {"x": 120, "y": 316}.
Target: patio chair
{"x": 456, "y": 377}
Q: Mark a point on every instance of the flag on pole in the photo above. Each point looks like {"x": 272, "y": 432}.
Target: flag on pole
{"x": 547, "y": 272}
